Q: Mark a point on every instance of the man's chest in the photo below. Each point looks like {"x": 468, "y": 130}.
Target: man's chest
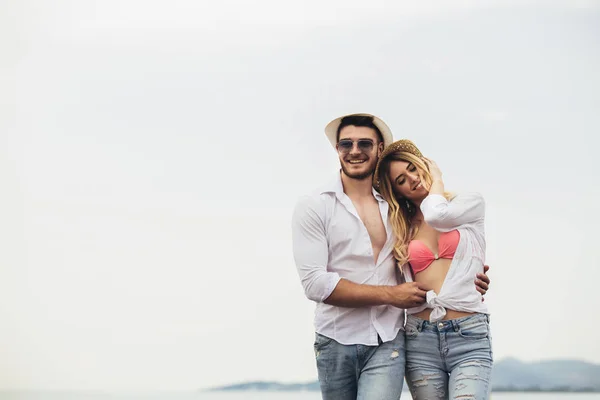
{"x": 359, "y": 226}
{"x": 370, "y": 216}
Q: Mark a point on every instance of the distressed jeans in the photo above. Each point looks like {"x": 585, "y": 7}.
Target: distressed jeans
{"x": 360, "y": 372}
{"x": 450, "y": 359}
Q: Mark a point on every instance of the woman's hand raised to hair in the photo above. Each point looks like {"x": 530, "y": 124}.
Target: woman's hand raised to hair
{"x": 434, "y": 170}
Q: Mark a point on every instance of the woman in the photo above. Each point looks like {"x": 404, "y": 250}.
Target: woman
{"x": 441, "y": 245}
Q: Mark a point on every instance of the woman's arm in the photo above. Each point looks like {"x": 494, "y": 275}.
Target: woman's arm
{"x": 445, "y": 215}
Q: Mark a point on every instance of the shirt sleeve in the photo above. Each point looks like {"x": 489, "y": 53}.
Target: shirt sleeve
{"x": 445, "y": 215}
{"x": 311, "y": 250}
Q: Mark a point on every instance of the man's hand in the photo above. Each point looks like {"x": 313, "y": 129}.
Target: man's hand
{"x": 353, "y": 295}
{"x": 407, "y": 295}
{"x": 482, "y": 282}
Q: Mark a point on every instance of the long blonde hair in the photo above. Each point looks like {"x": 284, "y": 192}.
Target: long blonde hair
{"x": 402, "y": 210}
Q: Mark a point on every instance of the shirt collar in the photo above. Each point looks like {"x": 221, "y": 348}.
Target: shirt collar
{"x": 335, "y": 186}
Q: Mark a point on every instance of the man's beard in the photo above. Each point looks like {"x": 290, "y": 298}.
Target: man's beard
{"x": 358, "y": 176}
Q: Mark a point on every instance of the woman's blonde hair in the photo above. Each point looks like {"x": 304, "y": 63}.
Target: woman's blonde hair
{"x": 401, "y": 210}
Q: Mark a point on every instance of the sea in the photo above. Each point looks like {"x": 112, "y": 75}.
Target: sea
{"x": 255, "y": 395}
{"x": 406, "y": 395}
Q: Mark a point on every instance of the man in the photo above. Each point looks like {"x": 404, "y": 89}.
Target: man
{"x": 342, "y": 243}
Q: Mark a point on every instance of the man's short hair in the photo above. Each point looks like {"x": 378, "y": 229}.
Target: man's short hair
{"x": 359, "y": 120}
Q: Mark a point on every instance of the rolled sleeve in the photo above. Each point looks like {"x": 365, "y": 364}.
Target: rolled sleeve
{"x": 445, "y": 215}
{"x": 311, "y": 250}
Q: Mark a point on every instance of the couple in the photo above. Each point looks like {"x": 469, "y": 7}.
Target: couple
{"x": 383, "y": 237}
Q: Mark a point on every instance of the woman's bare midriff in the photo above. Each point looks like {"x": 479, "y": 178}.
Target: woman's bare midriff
{"x": 432, "y": 278}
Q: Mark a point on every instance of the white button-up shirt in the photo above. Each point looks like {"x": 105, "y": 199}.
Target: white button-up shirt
{"x": 331, "y": 242}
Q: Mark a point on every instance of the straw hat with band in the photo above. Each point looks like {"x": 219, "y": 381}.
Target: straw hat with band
{"x": 332, "y": 127}
{"x": 399, "y": 145}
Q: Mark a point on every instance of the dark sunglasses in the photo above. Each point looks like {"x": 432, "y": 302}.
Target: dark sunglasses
{"x": 364, "y": 145}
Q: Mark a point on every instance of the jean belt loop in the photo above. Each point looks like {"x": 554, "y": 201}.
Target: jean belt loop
{"x": 455, "y": 325}
{"x": 421, "y": 326}
{"x": 487, "y": 317}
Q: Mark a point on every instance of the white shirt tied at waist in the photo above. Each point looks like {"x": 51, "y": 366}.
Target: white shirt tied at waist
{"x": 438, "y": 311}
{"x": 330, "y": 242}
{"x": 465, "y": 213}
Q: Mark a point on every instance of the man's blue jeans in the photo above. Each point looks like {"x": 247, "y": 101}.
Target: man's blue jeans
{"x": 360, "y": 372}
{"x": 450, "y": 359}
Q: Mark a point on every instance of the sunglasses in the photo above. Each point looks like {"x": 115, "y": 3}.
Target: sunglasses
{"x": 364, "y": 145}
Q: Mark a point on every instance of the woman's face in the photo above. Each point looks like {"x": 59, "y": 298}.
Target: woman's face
{"x": 406, "y": 181}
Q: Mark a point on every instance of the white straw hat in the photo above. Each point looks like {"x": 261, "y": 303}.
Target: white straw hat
{"x": 332, "y": 127}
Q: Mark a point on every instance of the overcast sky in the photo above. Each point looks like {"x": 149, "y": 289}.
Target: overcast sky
{"x": 151, "y": 154}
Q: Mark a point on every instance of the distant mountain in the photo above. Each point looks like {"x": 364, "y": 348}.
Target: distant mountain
{"x": 575, "y": 375}
{"x": 509, "y": 374}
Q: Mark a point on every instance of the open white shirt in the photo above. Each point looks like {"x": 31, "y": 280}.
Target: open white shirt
{"x": 465, "y": 213}
{"x": 331, "y": 242}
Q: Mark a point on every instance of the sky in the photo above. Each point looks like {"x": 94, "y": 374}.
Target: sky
{"x": 151, "y": 154}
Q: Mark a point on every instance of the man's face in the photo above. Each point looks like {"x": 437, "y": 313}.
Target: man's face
{"x": 358, "y": 148}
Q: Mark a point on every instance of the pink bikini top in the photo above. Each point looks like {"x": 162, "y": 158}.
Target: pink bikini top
{"x": 420, "y": 257}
